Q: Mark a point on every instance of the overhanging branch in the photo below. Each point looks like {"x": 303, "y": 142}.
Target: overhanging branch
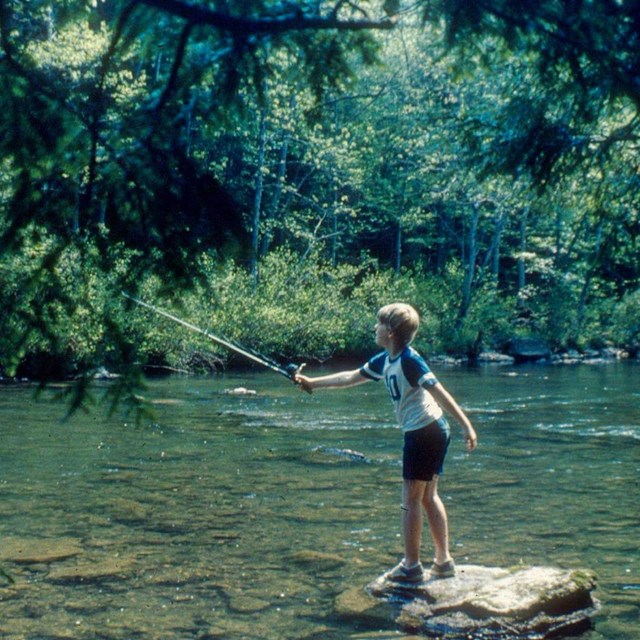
{"x": 241, "y": 26}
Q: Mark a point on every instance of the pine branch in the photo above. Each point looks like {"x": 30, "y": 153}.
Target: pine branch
{"x": 242, "y": 26}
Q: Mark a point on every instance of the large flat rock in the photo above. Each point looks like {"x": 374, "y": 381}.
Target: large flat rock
{"x": 38, "y": 550}
{"x": 487, "y": 602}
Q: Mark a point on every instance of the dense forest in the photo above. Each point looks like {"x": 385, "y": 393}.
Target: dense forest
{"x": 275, "y": 171}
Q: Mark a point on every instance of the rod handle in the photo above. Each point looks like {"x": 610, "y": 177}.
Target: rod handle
{"x": 293, "y": 370}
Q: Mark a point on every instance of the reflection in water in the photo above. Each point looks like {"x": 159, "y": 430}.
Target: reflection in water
{"x": 241, "y": 516}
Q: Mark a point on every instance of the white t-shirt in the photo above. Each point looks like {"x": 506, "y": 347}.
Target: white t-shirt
{"x": 408, "y": 378}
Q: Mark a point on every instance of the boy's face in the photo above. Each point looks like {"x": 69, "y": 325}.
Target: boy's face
{"x": 383, "y": 335}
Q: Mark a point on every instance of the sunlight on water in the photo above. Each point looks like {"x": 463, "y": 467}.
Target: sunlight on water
{"x": 245, "y": 516}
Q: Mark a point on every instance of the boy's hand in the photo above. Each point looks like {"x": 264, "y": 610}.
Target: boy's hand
{"x": 472, "y": 439}
{"x": 303, "y": 381}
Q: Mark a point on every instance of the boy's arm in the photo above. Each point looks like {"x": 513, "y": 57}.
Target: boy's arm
{"x": 447, "y": 402}
{"x": 333, "y": 381}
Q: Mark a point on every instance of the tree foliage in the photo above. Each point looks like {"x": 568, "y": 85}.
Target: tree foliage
{"x": 316, "y": 159}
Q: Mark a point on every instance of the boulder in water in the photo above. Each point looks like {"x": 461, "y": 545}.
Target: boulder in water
{"x": 528, "y": 349}
{"x": 487, "y": 602}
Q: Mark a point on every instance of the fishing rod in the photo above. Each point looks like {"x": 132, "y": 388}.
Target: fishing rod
{"x": 288, "y": 372}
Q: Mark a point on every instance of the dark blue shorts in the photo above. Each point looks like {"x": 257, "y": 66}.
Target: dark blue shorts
{"x": 424, "y": 451}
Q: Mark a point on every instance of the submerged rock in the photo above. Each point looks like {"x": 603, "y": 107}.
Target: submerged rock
{"x": 101, "y": 373}
{"x": 39, "y": 550}
{"x": 92, "y": 570}
{"x": 317, "y": 560}
{"x": 345, "y": 454}
{"x": 240, "y": 391}
{"x": 487, "y": 602}
{"x": 493, "y": 357}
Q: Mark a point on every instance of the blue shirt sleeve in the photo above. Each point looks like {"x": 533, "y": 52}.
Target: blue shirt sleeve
{"x": 417, "y": 371}
{"x": 375, "y": 367}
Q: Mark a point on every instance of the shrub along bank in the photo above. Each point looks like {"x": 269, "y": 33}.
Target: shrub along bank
{"x": 298, "y": 310}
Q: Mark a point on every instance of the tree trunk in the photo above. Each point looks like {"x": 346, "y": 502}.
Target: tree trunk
{"x": 441, "y": 258}
{"x": 492, "y": 255}
{"x": 470, "y": 266}
{"x": 257, "y": 199}
{"x": 558, "y": 237}
{"x": 398, "y": 238}
{"x": 522, "y": 248}
{"x": 157, "y": 68}
{"x": 277, "y": 195}
{"x": 82, "y": 216}
{"x": 398, "y": 248}
{"x": 591, "y": 271}
{"x": 334, "y": 236}
{"x": 501, "y": 220}
{"x": 50, "y": 23}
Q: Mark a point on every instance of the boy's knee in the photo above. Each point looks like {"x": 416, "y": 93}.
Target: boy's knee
{"x": 413, "y": 492}
{"x": 431, "y": 493}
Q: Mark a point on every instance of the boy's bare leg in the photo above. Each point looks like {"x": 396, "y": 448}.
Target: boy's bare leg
{"x": 413, "y": 496}
{"x": 438, "y": 524}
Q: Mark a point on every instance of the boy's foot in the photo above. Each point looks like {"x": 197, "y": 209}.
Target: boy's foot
{"x": 445, "y": 570}
{"x": 403, "y": 575}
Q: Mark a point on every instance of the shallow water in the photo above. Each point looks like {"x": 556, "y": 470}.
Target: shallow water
{"x": 238, "y": 517}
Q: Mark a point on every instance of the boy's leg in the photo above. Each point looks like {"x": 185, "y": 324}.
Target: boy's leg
{"x": 413, "y": 496}
{"x": 437, "y": 517}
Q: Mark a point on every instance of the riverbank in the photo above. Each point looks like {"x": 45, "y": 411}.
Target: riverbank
{"x": 570, "y": 357}
{"x": 199, "y": 363}
{"x": 311, "y": 312}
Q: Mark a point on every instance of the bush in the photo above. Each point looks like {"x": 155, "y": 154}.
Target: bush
{"x": 295, "y": 310}
{"x": 54, "y": 297}
{"x": 298, "y": 310}
{"x": 626, "y": 322}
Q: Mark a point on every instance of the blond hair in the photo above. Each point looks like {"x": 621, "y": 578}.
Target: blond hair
{"x": 401, "y": 319}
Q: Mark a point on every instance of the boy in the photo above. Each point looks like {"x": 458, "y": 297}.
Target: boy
{"x": 417, "y": 397}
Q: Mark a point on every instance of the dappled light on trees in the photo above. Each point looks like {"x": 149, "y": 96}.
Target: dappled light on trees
{"x": 477, "y": 159}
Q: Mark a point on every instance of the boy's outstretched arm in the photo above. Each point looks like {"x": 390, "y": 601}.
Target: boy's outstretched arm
{"x": 447, "y": 402}
{"x": 333, "y": 381}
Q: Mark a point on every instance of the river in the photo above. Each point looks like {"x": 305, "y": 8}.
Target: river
{"x": 239, "y": 516}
